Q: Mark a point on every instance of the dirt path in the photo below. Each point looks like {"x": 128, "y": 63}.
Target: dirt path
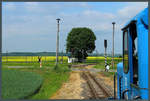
{"x": 73, "y": 89}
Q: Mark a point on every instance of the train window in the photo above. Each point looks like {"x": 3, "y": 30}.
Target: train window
{"x": 125, "y": 52}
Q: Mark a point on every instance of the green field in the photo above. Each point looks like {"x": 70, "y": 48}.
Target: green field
{"x": 52, "y": 80}
{"x": 19, "y": 85}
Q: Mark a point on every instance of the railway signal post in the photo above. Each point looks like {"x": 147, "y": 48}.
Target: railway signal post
{"x": 105, "y": 46}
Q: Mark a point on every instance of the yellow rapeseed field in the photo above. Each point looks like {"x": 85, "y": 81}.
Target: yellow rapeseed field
{"x": 30, "y": 58}
{"x": 46, "y": 58}
{"x": 101, "y": 58}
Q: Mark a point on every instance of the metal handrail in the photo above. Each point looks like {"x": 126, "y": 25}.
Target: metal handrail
{"x": 123, "y": 93}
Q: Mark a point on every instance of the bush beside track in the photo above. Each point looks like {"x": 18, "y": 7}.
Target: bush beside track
{"x": 18, "y": 84}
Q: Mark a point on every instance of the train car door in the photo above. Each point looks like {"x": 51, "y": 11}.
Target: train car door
{"x": 126, "y": 74}
{"x": 134, "y": 62}
{"x": 128, "y": 49}
{"x": 130, "y": 61}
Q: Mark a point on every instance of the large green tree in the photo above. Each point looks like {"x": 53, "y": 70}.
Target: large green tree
{"x": 80, "y": 42}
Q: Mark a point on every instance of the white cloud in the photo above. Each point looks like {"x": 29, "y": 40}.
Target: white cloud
{"x": 32, "y": 3}
{"x": 9, "y": 6}
{"x": 31, "y": 6}
{"x": 88, "y": 18}
{"x": 84, "y": 4}
{"x": 99, "y": 14}
{"x": 132, "y": 9}
{"x": 43, "y": 25}
{"x": 76, "y": 5}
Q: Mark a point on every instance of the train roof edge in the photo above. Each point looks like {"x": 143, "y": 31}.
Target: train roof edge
{"x": 142, "y": 16}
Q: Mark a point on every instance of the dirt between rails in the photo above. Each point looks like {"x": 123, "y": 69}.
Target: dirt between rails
{"x": 77, "y": 88}
{"x": 107, "y": 80}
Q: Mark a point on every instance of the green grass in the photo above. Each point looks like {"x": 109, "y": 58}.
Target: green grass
{"x": 19, "y": 85}
{"x": 108, "y": 74}
{"x": 52, "y": 82}
{"x": 52, "y": 79}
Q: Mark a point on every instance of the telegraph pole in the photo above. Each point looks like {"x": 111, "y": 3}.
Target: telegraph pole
{"x": 57, "y": 41}
{"x": 113, "y": 45}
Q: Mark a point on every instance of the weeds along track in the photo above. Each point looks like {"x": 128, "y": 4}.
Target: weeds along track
{"x": 98, "y": 91}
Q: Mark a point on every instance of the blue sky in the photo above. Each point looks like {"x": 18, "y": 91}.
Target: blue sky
{"x": 31, "y": 26}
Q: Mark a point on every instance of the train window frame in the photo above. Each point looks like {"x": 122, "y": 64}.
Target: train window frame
{"x": 135, "y": 64}
{"x": 125, "y": 71}
{"x": 133, "y": 32}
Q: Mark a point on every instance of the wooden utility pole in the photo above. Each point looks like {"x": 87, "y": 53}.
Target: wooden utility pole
{"x": 57, "y": 41}
{"x": 113, "y": 45}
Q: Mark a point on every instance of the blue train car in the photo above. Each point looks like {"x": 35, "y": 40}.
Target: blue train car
{"x": 132, "y": 73}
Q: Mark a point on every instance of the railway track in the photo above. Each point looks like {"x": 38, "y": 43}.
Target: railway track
{"x": 98, "y": 91}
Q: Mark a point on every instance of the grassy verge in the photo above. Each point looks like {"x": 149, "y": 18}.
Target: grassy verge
{"x": 52, "y": 79}
{"x": 19, "y": 85}
{"x": 108, "y": 74}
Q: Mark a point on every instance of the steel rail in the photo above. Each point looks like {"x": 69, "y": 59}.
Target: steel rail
{"x": 95, "y": 94}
